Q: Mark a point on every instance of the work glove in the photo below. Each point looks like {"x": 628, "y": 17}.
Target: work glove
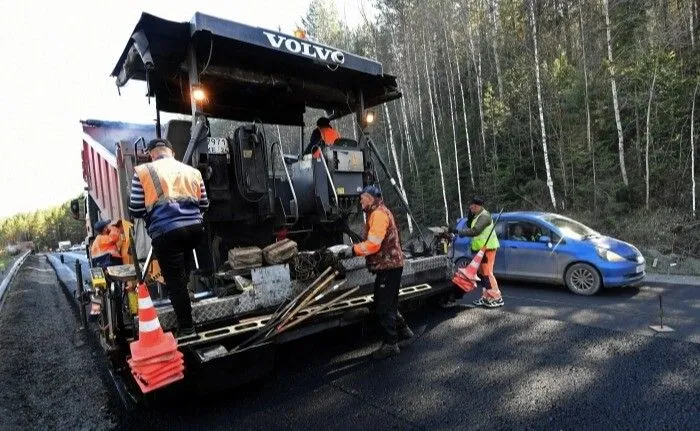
{"x": 342, "y": 251}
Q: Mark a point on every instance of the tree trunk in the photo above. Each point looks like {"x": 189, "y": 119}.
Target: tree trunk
{"x": 480, "y": 99}
{"x": 692, "y": 27}
{"x": 591, "y": 149}
{"x": 692, "y": 144}
{"x": 435, "y": 137}
{"x": 618, "y": 123}
{"x": 550, "y": 183}
{"x": 394, "y": 155}
{"x": 494, "y": 43}
{"x": 646, "y": 153}
{"x": 420, "y": 104}
{"x": 450, "y": 95}
{"x": 532, "y": 143}
{"x": 464, "y": 112}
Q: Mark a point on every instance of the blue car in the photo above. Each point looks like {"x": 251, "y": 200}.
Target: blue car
{"x": 551, "y": 248}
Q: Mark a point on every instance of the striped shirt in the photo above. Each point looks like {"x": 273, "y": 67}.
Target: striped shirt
{"x": 137, "y": 203}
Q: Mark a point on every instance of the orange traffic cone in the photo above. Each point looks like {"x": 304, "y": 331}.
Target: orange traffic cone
{"x": 466, "y": 278}
{"x": 155, "y": 361}
{"x": 152, "y": 341}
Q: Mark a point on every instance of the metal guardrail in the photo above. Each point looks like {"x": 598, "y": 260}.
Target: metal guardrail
{"x": 10, "y": 274}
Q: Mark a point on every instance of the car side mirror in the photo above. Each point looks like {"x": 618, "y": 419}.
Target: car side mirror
{"x": 544, "y": 239}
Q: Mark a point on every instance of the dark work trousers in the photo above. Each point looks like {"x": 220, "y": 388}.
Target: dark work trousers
{"x": 386, "y": 301}
{"x": 174, "y": 251}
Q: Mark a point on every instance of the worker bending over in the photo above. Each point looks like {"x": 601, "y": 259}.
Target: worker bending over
{"x": 324, "y": 135}
{"x": 480, "y": 229}
{"x": 382, "y": 250}
{"x": 104, "y": 251}
{"x": 171, "y": 197}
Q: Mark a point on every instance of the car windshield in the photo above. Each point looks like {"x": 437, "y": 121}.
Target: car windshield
{"x": 570, "y": 228}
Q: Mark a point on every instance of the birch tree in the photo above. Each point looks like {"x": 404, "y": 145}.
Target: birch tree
{"x": 646, "y": 153}
{"x": 450, "y": 84}
{"x": 435, "y": 137}
{"x": 692, "y": 144}
{"x": 464, "y": 113}
{"x": 395, "y": 157}
{"x": 613, "y": 85}
{"x": 591, "y": 149}
{"x": 550, "y": 183}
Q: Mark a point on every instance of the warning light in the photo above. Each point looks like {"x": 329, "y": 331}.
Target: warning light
{"x": 299, "y": 33}
{"x": 369, "y": 117}
{"x": 198, "y": 93}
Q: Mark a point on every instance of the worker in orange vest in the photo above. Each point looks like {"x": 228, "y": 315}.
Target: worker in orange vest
{"x": 323, "y": 135}
{"x": 105, "y": 248}
{"x": 171, "y": 197}
{"x": 384, "y": 257}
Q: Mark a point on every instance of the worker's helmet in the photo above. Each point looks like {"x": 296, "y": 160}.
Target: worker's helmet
{"x": 159, "y": 142}
{"x": 372, "y": 190}
{"x": 323, "y": 122}
{"x": 100, "y": 225}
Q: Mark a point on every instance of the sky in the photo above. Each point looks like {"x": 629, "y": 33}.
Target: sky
{"x": 57, "y": 57}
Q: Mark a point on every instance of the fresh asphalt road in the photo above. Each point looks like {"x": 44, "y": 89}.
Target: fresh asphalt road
{"x": 547, "y": 360}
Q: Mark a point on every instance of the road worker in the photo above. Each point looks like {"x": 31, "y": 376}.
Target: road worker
{"x": 104, "y": 251}
{"x": 480, "y": 230}
{"x": 382, "y": 250}
{"x": 171, "y": 197}
{"x": 323, "y": 135}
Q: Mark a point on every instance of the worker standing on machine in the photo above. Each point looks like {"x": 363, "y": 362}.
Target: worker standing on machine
{"x": 323, "y": 135}
{"x": 171, "y": 197}
{"x": 382, "y": 250}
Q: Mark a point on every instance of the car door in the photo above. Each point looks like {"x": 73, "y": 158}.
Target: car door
{"x": 528, "y": 251}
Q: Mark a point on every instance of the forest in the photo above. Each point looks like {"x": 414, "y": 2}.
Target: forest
{"x": 585, "y": 108}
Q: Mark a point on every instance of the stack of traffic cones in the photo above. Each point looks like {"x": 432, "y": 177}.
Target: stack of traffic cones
{"x": 466, "y": 278}
{"x": 155, "y": 361}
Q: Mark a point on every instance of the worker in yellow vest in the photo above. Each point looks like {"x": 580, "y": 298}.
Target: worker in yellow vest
{"x": 480, "y": 229}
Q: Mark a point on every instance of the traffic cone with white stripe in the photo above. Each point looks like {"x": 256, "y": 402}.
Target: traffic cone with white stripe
{"x": 466, "y": 278}
{"x": 155, "y": 360}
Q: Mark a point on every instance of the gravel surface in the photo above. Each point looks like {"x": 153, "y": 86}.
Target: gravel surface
{"x": 468, "y": 369}
{"x": 49, "y": 378}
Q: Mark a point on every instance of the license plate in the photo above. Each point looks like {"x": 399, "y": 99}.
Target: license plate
{"x": 640, "y": 268}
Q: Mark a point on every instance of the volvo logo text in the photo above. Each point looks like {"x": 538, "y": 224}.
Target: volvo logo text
{"x": 305, "y": 48}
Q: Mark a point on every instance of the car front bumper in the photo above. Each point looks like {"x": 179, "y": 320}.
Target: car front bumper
{"x": 621, "y": 274}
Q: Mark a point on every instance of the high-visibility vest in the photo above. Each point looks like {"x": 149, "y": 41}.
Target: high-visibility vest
{"x": 479, "y": 241}
{"x": 382, "y": 245}
{"x": 105, "y": 245}
{"x": 171, "y": 194}
{"x": 328, "y": 135}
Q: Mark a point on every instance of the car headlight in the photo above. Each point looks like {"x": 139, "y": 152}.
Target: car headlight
{"x": 608, "y": 255}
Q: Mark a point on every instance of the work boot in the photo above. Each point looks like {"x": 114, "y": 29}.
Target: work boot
{"x": 494, "y": 303}
{"x": 385, "y": 351}
{"x": 479, "y": 302}
{"x": 406, "y": 336}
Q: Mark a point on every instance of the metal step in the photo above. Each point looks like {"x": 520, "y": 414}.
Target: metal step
{"x": 258, "y": 322}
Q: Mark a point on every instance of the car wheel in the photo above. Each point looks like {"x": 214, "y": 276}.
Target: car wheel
{"x": 583, "y": 279}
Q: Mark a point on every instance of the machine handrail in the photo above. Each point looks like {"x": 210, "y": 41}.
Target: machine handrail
{"x": 291, "y": 186}
{"x": 330, "y": 179}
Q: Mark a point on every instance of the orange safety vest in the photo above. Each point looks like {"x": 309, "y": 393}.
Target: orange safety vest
{"x": 168, "y": 179}
{"x": 328, "y": 135}
{"x": 382, "y": 245}
{"x": 106, "y": 244}
{"x": 172, "y": 191}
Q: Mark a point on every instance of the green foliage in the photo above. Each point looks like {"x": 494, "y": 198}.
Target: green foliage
{"x": 44, "y": 227}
